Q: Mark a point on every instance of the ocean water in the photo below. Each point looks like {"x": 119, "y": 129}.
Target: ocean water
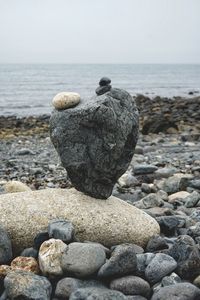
{"x": 29, "y": 89}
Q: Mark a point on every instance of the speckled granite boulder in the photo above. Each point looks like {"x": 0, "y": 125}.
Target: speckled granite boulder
{"x": 109, "y": 222}
{"x": 96, "y": 139}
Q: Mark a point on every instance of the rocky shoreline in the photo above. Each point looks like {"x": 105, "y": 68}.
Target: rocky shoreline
{"x": 163, "y": 180}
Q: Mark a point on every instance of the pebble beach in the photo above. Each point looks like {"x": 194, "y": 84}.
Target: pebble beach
{"x": 163, "y": 180}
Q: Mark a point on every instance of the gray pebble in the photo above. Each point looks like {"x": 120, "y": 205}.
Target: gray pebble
{"x": 83, "y": 259}
{"x": 61, "y": 229}
{"x": 5, "y": 247}
{"x": 66, "y": 286}
{"x": 179, "y": 291}
{"x": 160, "y": 266}
{"x": 96, "y": 294}
{"x": 26, "y": 285}
{"x": 131, "y": 285}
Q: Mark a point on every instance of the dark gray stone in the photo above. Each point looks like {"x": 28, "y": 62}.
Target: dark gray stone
{"x": 186, "y": 253}
{"x": 96, "y": 294}
{"x": 96, "y": 140}
{"x": 40, "y": 238}
{"x": 144, "y": 169}
{"x": 123, "y": 261}
{"x": 131, "y": 285}
{"x": 173, "y": 278}
{"x": 160, "y": 266}
{"x": 104, "y": 81}
{"x": 103, "y": 89}
{"x": 135, "y": 298}
{"x": 192, "y": 199}
{"x": 5, "y": 247}
{"x": 66, "y": 286}
{"x": 179, "y": 291}
{"x": 61, "y": 229}
{"x": 168, "y": 224}
{"x": 29, "y": 252}
{"x": 142, "y": 262}
{"x": 26, "y": 285}
{"x": 156, "y": 243}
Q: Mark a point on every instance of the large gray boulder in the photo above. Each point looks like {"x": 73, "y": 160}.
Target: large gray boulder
{"x": 96, "y": 139}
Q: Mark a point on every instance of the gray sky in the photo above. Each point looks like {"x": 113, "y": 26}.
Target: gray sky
{"x": 99, "y": 31}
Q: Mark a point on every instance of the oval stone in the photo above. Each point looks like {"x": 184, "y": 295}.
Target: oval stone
{"x": 110, "y": 222}
{"x": 65, "y": 100}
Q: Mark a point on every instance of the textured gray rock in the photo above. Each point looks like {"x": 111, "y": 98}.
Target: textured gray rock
{"x": 96, "y": 140}
{"x": 186, "y": 253}
{"x": 160, "y": 266}
{"x": 5, "y": 247}
{"x": 83, "y": 259}
{"x": 123, "y": 261}
{"x": 180, "y": 291}
{"x": 96, "y": 294}
{"x": 61, "y": 229}
{"x": 26, "y": 285}
{"x": 66, "y": 286}
{"x": 131, "y": 285}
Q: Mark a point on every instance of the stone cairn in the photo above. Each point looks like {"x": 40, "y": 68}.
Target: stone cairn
{"x": 95, "y": 138}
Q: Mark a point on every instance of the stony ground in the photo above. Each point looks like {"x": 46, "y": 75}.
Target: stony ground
{"x": 163, "y": 179}
{"x": 34, "y": 161}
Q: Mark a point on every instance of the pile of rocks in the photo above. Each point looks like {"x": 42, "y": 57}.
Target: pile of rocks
{"x": 96, "y": 138}
{"x": 104, "y": 86}
{"x": 169, "y": 115}
{"x": 58, "y": 267}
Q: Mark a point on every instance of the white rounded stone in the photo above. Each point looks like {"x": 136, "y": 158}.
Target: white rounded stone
{"x": 50, "y": 255}
{"x": 15, "y": 186}
{"x": 109, "y": 222}
{"x": 65, "y": 100}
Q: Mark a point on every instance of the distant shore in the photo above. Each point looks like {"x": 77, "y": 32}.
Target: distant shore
{"x": 167, "y": 115}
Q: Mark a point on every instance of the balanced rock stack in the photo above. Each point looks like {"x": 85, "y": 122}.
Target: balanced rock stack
{"x": 104, "y": 86}
{"x": 96, "y": 139}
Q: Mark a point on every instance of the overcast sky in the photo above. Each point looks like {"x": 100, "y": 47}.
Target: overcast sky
{"x": 99, "y": 31}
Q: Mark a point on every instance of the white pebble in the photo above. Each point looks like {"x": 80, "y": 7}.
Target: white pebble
{"x": 65, "y": 100}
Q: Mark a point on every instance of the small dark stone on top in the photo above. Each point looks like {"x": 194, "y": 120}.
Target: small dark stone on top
{"x": 103, "y": 89}
{"x": 104, "y": 81}
{"x": 40, "y": 238}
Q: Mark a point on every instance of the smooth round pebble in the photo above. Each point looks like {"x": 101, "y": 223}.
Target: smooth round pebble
{"x": 50, "y": 256}
{"x": 83, "y": 259}
{"x": 65, "y": 100}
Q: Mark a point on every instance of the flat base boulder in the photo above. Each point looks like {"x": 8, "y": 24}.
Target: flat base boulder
{"x": 109, "y": 222}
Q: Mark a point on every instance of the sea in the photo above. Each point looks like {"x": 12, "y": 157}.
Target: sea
{"x": 28, "y": 89}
